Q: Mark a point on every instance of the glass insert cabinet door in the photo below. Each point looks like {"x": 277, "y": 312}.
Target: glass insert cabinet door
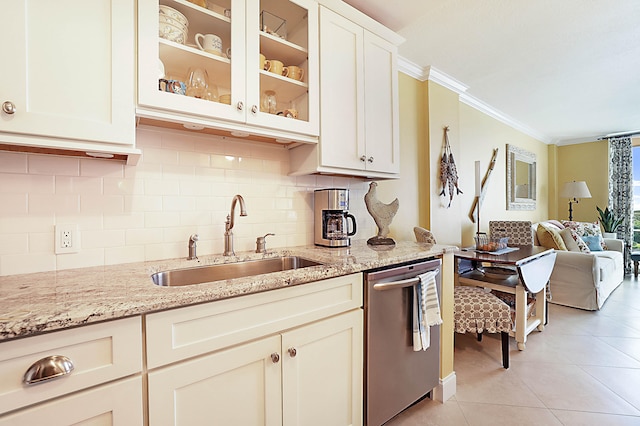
{"x": 253, "y": 62}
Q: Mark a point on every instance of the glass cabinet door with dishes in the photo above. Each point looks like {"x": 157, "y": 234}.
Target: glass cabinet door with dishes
{"x": 253, "y": 62}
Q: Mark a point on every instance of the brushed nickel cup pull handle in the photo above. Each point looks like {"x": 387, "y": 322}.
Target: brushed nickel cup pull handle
{"x": 293, "y": 352}
{"x": 48, "y": 368}
{"x": 9, "y": 107}
{"x": 275, "y": 357}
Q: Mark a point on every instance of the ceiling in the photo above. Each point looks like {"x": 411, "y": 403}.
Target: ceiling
{"x": 564, "y": 71}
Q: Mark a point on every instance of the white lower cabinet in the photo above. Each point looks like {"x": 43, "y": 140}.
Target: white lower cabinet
{"x": 322, "y": 372}
{"x": 310, "y": 375}
{"x": 104, "y": 387}
{"x": 302, "y": 364}
{"x": 118, "y": 403}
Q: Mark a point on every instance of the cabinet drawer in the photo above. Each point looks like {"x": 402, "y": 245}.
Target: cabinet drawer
{"x": 186, "y": 332}
{"x": 100, "y": 353}
{"x": 114, "y": 404}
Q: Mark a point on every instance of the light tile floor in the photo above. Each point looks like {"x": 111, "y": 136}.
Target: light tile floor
{"x": 583, "y": 369}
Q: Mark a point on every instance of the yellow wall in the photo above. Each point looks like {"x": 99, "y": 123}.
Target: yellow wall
{"x": 443, "y": 109}
{"x": 412, "y": 141}
{"x": 587, "y": 162}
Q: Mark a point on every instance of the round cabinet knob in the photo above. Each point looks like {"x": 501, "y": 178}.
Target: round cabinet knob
{"x": 275, "y": 357}
{"x": 370, "y": 159}
{"x": 363, "y": 158}
{"x": 240, "y": 106}
{"x": 254, "y": 109}
{"x": 9, "y": 107}
{"x": 293, "y": 352}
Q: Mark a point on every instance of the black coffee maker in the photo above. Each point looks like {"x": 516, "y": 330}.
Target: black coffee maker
{"x": 331, "y": 216}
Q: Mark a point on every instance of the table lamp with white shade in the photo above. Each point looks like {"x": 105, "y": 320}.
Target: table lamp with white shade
{"x": 574, "y": 191}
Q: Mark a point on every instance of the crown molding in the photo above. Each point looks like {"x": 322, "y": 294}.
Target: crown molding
{"x": 412, "y": 69}
{"x": 445, "y": 80}
{"x": 476, "y": 103}
{"x": 433, "y": 74}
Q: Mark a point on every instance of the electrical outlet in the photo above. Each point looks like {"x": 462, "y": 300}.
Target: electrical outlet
{"x": 67, "y": 239}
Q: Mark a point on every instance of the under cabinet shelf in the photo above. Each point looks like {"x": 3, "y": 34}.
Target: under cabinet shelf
{"x": 288, "y": 53}
{"x": 286, "y": 89}
{"x": 178, "y": 58}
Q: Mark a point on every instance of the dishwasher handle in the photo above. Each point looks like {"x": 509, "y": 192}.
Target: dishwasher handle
{"x": 397, "y": 284}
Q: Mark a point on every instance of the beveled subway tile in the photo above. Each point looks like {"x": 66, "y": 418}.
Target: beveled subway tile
{"x": 59, "y": 204}
{"x": 101, "y": 168}
{"x": 13, "y": 162}
{"x": 47, "y": 165}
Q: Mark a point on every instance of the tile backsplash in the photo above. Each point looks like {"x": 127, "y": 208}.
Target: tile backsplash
{"x": 183, "y": 184}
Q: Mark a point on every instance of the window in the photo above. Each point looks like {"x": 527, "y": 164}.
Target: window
{"x": 636, "y": 197}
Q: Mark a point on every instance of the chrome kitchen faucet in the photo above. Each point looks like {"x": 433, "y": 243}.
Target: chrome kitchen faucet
{"x": 228, "y": 225}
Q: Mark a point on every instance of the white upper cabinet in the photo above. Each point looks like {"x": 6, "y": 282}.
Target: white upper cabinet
{"x": 382, "y": 136}
{"x": 68, "y": 76}
{"x": 284, "y": 31}
{"x": 359, "y": 128}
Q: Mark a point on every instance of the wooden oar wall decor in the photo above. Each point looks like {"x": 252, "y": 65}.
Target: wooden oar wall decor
{"x": 477, "y": 201}
{"x": 448, "y": 170}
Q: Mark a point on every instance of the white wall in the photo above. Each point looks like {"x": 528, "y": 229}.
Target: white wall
{"x": 183, "y": 184}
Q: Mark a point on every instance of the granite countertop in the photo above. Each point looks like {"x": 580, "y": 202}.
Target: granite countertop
{"x": 47, "y": 301}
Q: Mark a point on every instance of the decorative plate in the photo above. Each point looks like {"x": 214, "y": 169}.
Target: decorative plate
{"x": 498, "y": 273}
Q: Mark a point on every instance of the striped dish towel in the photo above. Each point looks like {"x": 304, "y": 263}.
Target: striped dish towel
{"x": 426, "y": 309}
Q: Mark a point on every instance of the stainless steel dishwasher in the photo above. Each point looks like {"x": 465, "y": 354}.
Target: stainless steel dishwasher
{"x": 396, "y": 376}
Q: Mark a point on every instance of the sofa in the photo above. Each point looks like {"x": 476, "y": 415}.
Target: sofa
{"x": 582, "y": 279}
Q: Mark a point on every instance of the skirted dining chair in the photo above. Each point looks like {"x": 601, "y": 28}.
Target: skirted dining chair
{"x": 520, "y": 233}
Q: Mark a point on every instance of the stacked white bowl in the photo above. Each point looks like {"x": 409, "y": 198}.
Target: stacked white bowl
{"x": 173, "y": 25}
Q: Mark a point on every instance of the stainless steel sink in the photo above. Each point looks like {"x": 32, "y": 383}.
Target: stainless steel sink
{"x": 203, "y": 274}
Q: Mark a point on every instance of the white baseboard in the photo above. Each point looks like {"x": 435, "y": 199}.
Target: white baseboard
{"x": 446, "y": 388}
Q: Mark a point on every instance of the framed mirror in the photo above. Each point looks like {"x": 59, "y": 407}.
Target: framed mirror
{"x": 521, "y": 179}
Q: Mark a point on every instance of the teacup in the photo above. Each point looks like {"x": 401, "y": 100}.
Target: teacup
{"x": 274, "y": 66}
{"x": 263, "y": 59}
{"x": 211, "y": 43}
{"x": 289, "y": 113}
{"x": 293, "y": 72}
{"x": 172, "y": 86}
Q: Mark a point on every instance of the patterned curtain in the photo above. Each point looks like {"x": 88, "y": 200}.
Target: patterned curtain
{"x": 621, "y": 191}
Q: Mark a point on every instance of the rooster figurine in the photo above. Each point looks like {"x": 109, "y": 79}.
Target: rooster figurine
{"x": 382, "y": 215}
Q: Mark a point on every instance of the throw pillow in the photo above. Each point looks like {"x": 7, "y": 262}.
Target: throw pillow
{"x": 593, "y": 241}
{"x": 586, "y": 228}
{"x": 579, "y": 241}
{"x": 550, "y": 237}
{"x": 571, "y": 244}
{"x": 556, "y": 223}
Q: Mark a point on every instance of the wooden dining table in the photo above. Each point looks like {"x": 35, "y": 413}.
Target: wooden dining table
{"x": 533, "y": 266}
